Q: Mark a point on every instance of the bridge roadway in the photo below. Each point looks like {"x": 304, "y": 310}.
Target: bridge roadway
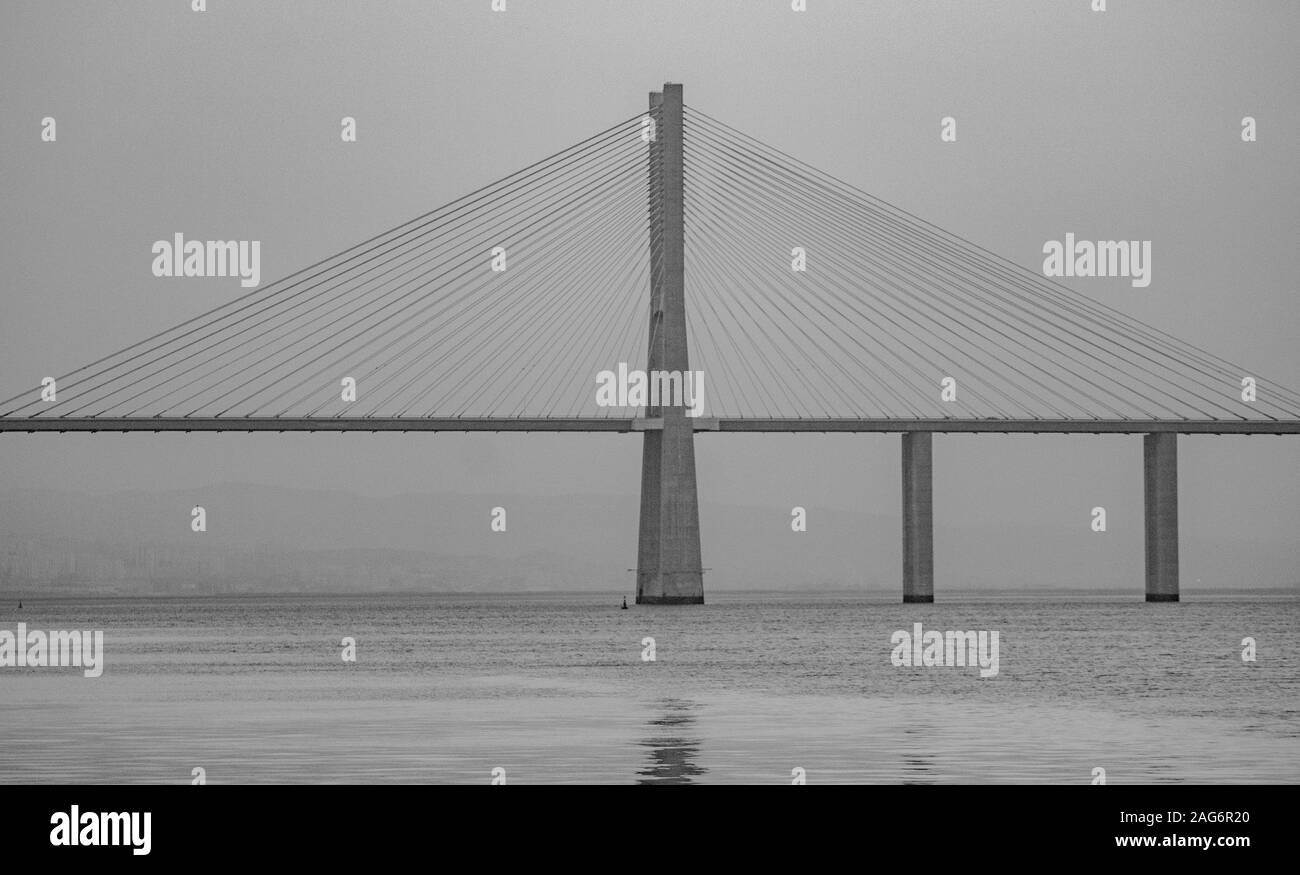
{"x": 640, "y": 424}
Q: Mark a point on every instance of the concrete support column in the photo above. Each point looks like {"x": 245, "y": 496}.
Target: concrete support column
{"x": 1160, "y": 469}
{"x": 918, "y": 517}
{"x": 668, "y": 569}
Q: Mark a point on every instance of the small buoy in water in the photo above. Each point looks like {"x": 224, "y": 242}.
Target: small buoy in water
{"x": 624, "y": 603}
{"x": 20, "y": 604}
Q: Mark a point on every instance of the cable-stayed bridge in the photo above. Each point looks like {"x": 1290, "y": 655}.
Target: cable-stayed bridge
{"x": 673, "y": 243}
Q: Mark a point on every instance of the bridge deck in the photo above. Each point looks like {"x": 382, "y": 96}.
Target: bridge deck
{"x": 626, "y": 425}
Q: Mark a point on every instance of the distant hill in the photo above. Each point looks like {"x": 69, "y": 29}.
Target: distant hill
{"x": 272, "y": 539}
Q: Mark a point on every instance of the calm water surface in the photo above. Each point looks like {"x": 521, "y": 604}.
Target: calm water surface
{"x": 553, "y": 689}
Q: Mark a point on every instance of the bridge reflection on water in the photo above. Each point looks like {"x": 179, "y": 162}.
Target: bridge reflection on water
{"x": 672, "y": 745}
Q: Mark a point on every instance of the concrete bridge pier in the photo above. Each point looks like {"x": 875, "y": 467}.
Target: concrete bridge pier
{"x": 668, "y": 567}
{"x": 918, "y": 517}
{"x": 1160, "y": 469}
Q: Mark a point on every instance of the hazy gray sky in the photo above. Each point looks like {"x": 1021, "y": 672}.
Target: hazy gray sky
{"x": 224, "y": 125}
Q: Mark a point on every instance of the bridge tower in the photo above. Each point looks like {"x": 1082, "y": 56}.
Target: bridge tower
{"x": 668, "y": 568}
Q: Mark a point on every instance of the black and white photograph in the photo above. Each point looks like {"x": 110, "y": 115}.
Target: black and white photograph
{"x": 401, "y": 398}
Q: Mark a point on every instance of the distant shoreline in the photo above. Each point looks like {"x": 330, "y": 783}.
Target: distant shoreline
{"x": 889, "y": 596}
